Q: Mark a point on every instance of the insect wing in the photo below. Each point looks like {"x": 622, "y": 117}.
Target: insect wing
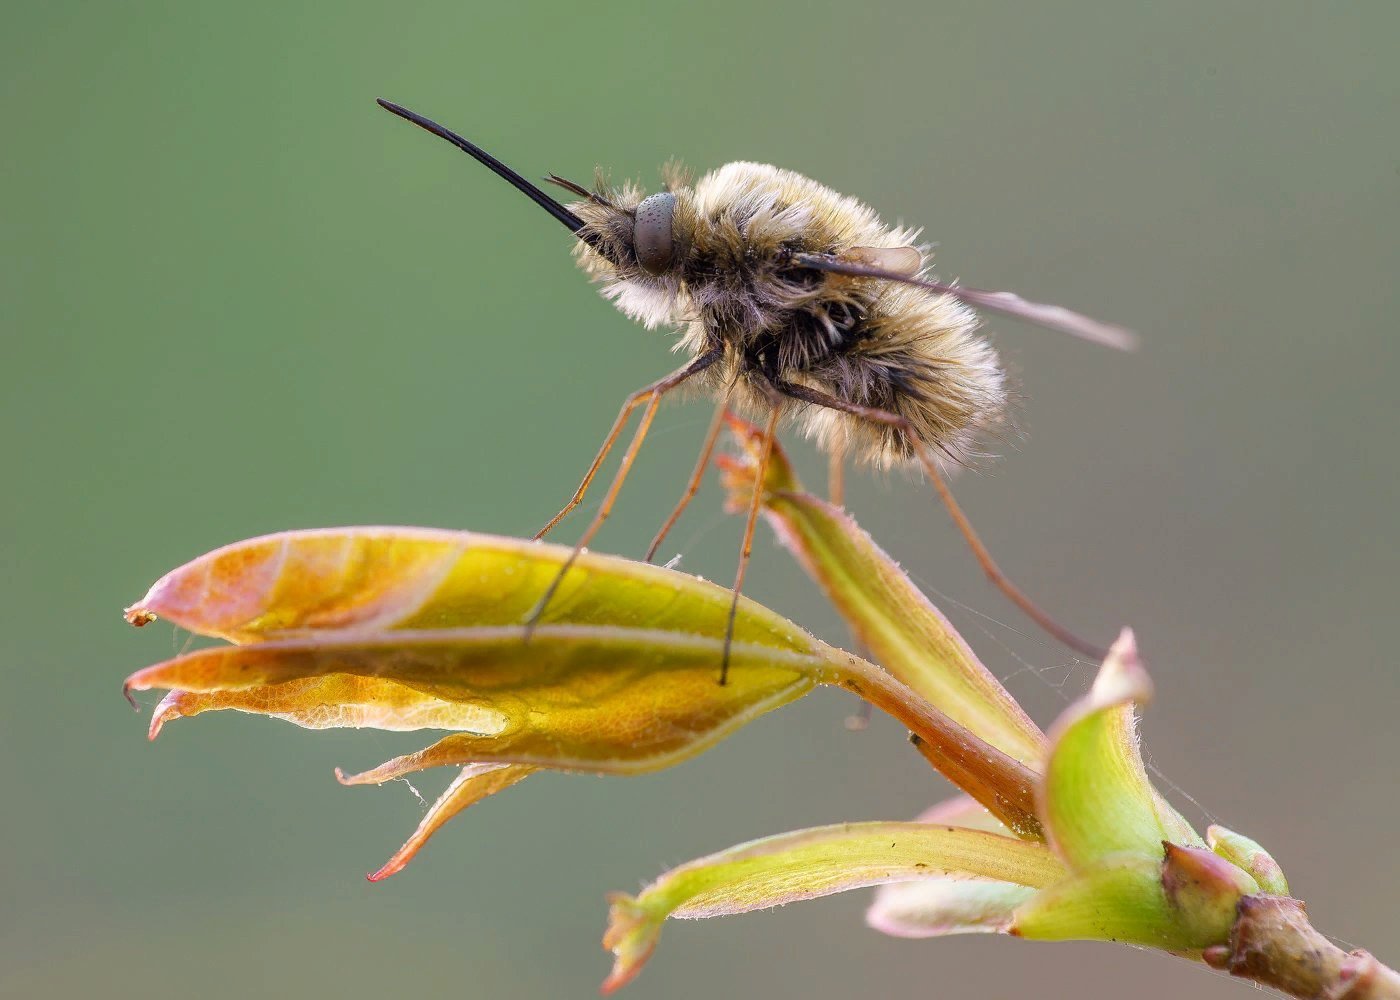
{"x": 1009, "y": 303}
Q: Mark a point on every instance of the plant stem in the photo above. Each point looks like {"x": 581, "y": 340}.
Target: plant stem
{"x": 1272, "y": 943}
{"x": 1000, "y": 782}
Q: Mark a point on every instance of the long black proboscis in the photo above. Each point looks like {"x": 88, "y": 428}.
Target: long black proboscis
{"x": 569, "y": 219}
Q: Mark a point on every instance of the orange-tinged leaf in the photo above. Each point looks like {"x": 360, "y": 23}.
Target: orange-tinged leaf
{"x": 576, "y": 697}
{"x": 475, "y": 783}
{"x": 906, "y": 634}
{"x": 811, "y": 863}
{"x": 376, "y": 579}
{"x": 405, "y": 628}
{"x": 333, "y": 701}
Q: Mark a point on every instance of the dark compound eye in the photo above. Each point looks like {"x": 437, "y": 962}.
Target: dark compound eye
{"x": 651, "y": 236}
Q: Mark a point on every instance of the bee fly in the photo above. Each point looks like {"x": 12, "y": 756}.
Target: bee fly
{"x": 792, "y": 300}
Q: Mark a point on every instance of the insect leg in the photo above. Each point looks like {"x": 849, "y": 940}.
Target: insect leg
{"x": 747, "y": 549}
{"x": 836, "y": 493}
{"x": 696, "y": 476}
{"x": 836, "y": 477}
{"x": 656, "y": 389}
{"x": 652, "y": 394}
{"x": 984, "y": 557}
{"x": 653, "y": 402}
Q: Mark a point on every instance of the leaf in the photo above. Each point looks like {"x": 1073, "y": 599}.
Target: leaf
{"x": 407, "y": 628}
{"x": 1205, "y": 890}
{"x": 380, "y": 579}
{"x": 1250, "y": 856}
{"x": 333, "y": 701}
{"x": 1120, "y": 899}
{"x": 810, "y": 863}
{"x": 475, "y": 783}
{"x": 369, "y": 627}
{"x": 1096, "y": 800}
{"x": 938, "y": 906}
{"x": 574, "y": 697}
{"x": 904, "y": 632}
{"x": 1185, "y": 903}
{"x": 944, "y": 906}
{"x": 403, "y": 628}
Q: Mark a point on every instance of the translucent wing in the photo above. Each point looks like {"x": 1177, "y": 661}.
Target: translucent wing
{"x": 900, "y": 260}
{"x": 1052, "y": 317}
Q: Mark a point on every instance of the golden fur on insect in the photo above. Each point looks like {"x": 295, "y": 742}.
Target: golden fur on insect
{"x": 870, "y": 342}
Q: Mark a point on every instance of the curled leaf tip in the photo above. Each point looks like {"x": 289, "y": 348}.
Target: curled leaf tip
{"x": 374, "y": 776}
{"x": 137, "y": 616}
{"x": 391, "y": 867}
{"x": 130, "y": 698}
{"x": 169, "y": 708}
{"x": 631, "y": 937}
{"x": 1123, "y": 676}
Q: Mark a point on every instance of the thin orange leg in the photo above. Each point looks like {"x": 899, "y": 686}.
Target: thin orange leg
{"x": 836, "y": 493}
{"x": 657, "y": 389}
{"x": 836, "y": 477}
{"x": 653, "y": 403}
{"x": 696, "y": 476}
{"x": 979, "y": 550}
{"x": 754, "y": 506}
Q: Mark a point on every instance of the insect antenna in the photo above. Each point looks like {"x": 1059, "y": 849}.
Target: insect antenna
{"x": 930, "y": 467}
{"x": 569, "y": 219}
{"x": 1009, "y": 303}
{"x": 580, "y": 190}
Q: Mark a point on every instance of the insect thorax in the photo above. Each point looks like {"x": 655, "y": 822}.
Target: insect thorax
{"x": 733, "y": 285}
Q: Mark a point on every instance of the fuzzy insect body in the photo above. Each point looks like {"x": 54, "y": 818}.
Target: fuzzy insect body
{"x": 791, "y": 300}
{"x": 734, "y": 284}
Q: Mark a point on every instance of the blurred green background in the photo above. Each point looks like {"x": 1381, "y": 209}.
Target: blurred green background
{"x": 238, "y": 297}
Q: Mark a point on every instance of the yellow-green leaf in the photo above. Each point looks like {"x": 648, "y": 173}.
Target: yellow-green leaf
{"x": 403, "y": 628}
{"x": 904, "y": 632}
{"x": 1184, "y": 903}
{"x": 379, "y": 579}
{"x": 575, "y": 697}
{"x": 811, "y": 863}
{"x": 1096, "y": 800}
{"x": 1120, "y": 899}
